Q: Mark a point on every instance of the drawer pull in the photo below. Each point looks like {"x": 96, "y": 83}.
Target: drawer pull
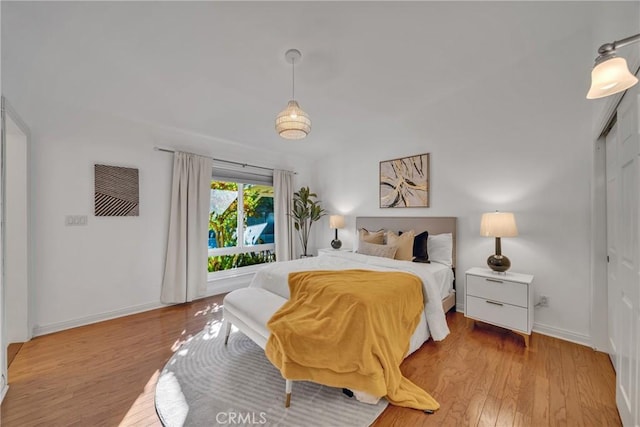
{"x": 494, "y": 280}
{"x": 494, "y": 303}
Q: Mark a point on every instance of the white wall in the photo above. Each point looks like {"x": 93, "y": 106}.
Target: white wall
{"x": 550, "y": 203}
{"x": 498, "y": 144}
{"x": 16, "y": 236}
{"x": 114, "y": 265}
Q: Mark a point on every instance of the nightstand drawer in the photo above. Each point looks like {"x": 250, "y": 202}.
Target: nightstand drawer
{"x": 497, "y": 289}
{"x": 505, "y": 315}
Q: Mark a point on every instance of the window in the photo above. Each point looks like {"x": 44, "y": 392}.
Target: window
{"x": 241, "y": 223}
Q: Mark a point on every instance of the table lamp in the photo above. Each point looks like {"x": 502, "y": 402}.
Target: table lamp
{"x": 498, "y": 224}
{"x": 336, "y": 221}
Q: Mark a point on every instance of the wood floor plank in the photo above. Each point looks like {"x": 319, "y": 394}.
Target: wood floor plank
{"x": 104, "y": 375}
{"x": 569, "y": 374}
{"x": 509, "y": 401}
{"x": 541, "y": 402}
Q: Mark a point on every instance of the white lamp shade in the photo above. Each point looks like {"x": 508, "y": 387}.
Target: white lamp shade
{"x": 498, "y": 224}
{"x": 609, "y": 77}
{"x": 336, "y": 221}
{"x": 292, "y": 122}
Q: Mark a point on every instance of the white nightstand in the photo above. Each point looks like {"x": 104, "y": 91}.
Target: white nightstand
{"x": 329, "y": 250}
{"x": 501, "y": 299}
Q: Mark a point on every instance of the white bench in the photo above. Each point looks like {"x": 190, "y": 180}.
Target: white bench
{"x": 249, "y": 309}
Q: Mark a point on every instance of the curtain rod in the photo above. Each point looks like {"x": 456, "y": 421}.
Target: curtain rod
{"x": 244, "y": 165}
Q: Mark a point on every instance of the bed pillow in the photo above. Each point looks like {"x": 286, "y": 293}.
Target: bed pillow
{"x": 440, "y": 248}
{"x": 375, "y": 237}
{"x": 404, "y": 242}
{"x": 420, "y": 250}
{"x": 372, "y": 249}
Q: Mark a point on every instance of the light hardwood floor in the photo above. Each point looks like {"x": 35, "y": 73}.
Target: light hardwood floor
{"x": 104, "y": 375}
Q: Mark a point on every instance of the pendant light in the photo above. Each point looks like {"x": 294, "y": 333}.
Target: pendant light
{"x": 293, "y": 122}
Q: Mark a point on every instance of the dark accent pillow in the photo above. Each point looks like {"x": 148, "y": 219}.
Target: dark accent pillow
{"x": 420, "y": 247}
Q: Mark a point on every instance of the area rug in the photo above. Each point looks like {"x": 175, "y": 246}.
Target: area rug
{"x": 206, "y": 383}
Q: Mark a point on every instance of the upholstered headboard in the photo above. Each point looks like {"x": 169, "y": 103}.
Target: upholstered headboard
{"x": 434, "y": 225}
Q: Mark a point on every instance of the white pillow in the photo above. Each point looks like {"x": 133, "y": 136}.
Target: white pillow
{"x": 440, "y": 248}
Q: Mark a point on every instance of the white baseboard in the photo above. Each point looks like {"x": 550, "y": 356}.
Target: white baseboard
{"x": 562, "y": 334}
{"x": 94, "y": 318}
{"x": 552, "y": 331}
{"x": 3, "y": 391}
{"x": 228, "y": 284}
{"x": 214, "y": 287}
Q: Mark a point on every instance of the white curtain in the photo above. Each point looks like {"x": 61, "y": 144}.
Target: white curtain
{"x": 282, "y": 204}
{"x": 185, "y": 271}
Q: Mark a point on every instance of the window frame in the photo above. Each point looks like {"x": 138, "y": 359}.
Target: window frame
{"x": 240, "y": 247}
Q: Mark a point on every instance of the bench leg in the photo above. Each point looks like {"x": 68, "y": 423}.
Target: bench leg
{"x": 227, "y": 330}
{"x": 287, "y": 400}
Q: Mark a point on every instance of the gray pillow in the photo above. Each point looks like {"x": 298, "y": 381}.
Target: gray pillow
{"x": 372, "y": 249}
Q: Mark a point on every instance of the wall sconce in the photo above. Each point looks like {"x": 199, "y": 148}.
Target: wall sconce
{"x": 336, "y": 221}
{"x": 610, "y": 73}
{"x": 498, "y": 224}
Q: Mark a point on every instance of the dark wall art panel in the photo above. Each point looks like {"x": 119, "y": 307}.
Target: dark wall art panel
{"x": 116, "y": 191}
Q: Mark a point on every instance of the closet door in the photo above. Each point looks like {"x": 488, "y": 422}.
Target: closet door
{"x": 624, "y": 256}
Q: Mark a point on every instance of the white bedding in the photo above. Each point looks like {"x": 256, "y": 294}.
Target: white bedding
{"x": 274, "y": 278}
{"x": 444, "y": 278}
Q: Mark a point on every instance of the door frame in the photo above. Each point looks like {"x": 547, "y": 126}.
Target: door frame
{"x": 598, "y": 310}
{"x": 6, "y": 110}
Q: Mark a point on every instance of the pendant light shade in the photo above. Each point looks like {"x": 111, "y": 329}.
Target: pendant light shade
{"x": 293, "y": 122}
{"x": 610, "y": 76}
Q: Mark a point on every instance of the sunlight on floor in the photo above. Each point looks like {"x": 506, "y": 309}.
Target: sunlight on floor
{"x": 211, "y": 330}
{"x": 172, "y": 400}
{"x": 143, "y": 406}
{"x": 214, "y": 308}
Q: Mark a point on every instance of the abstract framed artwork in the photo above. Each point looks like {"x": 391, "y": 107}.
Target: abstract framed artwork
{"x": 116, "y": 191}
{"x": 404, "y": 182}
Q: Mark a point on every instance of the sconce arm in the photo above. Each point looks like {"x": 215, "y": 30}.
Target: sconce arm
{"x": 610, "y": 48}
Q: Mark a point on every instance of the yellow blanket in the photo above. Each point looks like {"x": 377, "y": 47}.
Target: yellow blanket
{"x": 350, "y": 329}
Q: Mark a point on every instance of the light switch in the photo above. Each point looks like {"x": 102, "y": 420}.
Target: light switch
{"x": 70, "y": 220}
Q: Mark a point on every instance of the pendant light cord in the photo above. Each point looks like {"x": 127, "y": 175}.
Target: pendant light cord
{"x": 293, "y": 79}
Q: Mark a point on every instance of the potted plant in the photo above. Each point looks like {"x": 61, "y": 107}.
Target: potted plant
{"x": 306, "y": 210}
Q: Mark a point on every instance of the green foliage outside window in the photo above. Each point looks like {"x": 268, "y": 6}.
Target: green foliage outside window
{"x": 226, "y": 262}
{"x": 257, "y": 205}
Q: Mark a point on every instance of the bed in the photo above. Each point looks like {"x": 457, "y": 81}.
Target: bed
{"x": 263, "y": 311}
{"x": 438, "y": 278}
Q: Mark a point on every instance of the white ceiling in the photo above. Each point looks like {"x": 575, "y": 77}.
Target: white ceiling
{"x": 380, "y": 71}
